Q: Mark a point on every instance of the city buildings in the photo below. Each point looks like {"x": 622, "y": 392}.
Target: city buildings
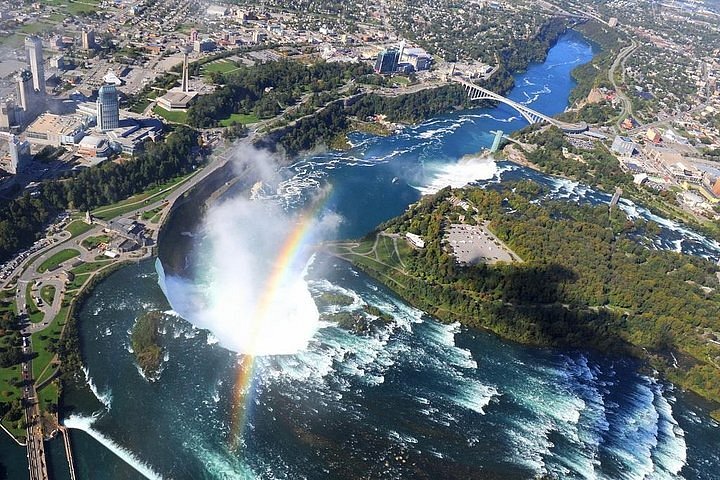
{"x": 179, "y": 98}
{"x": 7, "y": 115}
{"x": 88, "y": 39}
{"x": 204, "y": 45}
{"x": 33, "y": 47}
{"x": 623, "y": 146}
{"x": 94, "y": 147}
{"x": 57, "y": 130}
{"x": 387, "y": 61}
{"x": 19, "y": 153}
{"x": 108, "y": 108}
{"x": 24, "y": 91}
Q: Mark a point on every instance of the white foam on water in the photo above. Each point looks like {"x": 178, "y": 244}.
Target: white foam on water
{"x": 83, "y": 423}
{"x": 458, "y": 174}
{"x": 104, "y": 397}
{"x": 670, "y": 454}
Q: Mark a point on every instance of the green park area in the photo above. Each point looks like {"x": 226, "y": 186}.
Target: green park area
{"x": 47, "y": 293}
{"x": 400, "y": 81}
{"x": 58, "y": 258}
{"x": 219, "y": 66}
{"x": 95, "y": 241}
{"x": 78, "y": 281}
{"x": 171, "y": 116}
{"x": 153, "y": 194}
{"x": 33, "y": 311}
{"x": 89, "y": 267}
{"x": 73, "y": 7}
{"x": 45, "y": 344}
{"x": 239, "y": 118}
{"x": 35, "y": 28}
{"x": 78, "y": 227}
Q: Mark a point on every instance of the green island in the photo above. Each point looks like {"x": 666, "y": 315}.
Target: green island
{"x": 589, "y": 278}
{"x": 361, "y": 322}
{"x": 144, "y": 337}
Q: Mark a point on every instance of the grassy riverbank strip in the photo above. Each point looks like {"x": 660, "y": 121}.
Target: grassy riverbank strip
{"x": 589, "y": 280}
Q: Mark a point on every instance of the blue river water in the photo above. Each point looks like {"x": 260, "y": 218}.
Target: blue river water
{"x": 411, "y": 399}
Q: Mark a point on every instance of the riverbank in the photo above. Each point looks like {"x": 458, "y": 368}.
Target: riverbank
{"x": 566, "y": 295}
{"x": 414, "y": 388}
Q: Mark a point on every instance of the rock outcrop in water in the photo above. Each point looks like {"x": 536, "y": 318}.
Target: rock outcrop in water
{"x": 145, "y": 344}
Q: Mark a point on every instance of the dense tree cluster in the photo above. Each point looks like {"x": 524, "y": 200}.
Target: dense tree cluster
{"x": 266, "y": 89}
{"x": 557, "y": 156}
{"x": 411, "y": 108}
{"x": 319, "y": 128}
{"x": 589, "y": 279}
{"x": 22, "y": 219}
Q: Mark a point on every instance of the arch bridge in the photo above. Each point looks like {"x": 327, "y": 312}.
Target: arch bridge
{"x": 476, "y": 92}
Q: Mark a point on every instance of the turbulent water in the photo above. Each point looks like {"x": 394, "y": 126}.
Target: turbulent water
{"x": 412, "y": 398}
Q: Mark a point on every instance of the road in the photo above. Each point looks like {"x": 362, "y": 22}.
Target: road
{"x": 30, "y": 274}
{"x": 621, "y": 58}
{"x": 35, "y": 437}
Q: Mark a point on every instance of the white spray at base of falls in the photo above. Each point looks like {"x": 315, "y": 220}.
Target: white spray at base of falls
{"x": 250, "y": 292}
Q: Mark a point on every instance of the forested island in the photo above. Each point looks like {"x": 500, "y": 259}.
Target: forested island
{"x": 590, "y": 279}
{"x": 145, "y": 343}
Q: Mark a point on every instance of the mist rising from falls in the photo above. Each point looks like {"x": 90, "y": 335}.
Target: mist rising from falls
{"x": 250, "y": 290}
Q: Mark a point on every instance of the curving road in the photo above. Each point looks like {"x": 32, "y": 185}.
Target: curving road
{"x": 620, "y": 59}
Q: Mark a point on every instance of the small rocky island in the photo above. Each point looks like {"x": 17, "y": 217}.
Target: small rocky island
{"x": 145, "y": 343}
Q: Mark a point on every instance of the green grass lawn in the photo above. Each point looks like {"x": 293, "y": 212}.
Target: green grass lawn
{"x": 57, "y": 259}
{"x": 7, "y": 301}
{"x": 89, "y": 267}
{"x": 48, "y": 395}
{"x": 95, "y": 241}
{"x": 220, "y": 66}
{"x": 136, "y": 201}
{"x": 242, "y": 118}
{"x": 78, "y": 281}
{"x": 8, "y": 376}
{"x": 47, "y": 293}
{"x": 33, "y": 311}
{"x": 41, "y": 342}
{"x": 174, "y": 116}
{"x": 12, "y": 41}
{"x": 35, "y": 28}
{"x": 149, "y": 214}
{"x": 402, "y": 81}
{"x": 78, "y": 227}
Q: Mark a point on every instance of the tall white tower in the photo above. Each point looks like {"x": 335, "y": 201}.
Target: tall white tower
{"x": 185, "y": 85}
{"x": 33, "y": 46}
{"x": 25, "y": 91}
{"x": 108, "y": 108}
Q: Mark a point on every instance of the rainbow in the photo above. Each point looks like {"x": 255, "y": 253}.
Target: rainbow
{"x": 287, "y": 256}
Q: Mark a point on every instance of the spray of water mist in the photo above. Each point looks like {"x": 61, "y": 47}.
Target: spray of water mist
{"x": 250, "y": 291}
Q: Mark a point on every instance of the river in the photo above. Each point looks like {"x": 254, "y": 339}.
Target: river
{"x": 413, "y": 399}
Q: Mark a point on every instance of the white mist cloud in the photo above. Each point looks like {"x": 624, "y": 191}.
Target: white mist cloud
{"x": 467, "y": 170}
{"x": 250, "y": 291}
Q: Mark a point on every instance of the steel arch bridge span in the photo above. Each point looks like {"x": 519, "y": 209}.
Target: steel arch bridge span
{"x": 476, "y": 92}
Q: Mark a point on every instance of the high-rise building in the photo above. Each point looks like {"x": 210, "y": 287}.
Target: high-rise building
{"x": 88, "y": 39}
{"x": 19, "y": 154}
{"x": 34, "y": 48}
{"x": 193, "y": 35}
{"x": 386, "y": 61}
{"x": 7, "y": 115}
{"x": 108, "y": 108}
{"x": 25, "y": 92}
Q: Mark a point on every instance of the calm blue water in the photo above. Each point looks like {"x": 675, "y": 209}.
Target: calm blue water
{"x": 413, "y": 399}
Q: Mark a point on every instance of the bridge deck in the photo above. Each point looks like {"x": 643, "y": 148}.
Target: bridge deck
{"x": 532, "y": 116}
